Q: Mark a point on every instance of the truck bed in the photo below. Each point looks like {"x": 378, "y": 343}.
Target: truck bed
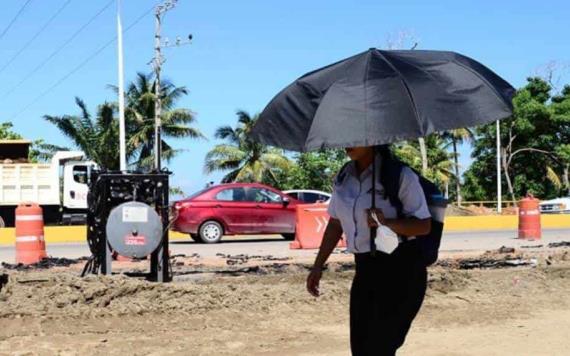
{"x": 29, "y": 182}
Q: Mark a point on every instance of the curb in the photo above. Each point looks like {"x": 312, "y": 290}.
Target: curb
{"x": 71, "y": 234}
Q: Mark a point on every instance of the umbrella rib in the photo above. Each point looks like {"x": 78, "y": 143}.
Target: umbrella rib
{"x": 408, "y": 91}
{"x": 492, "y": 87}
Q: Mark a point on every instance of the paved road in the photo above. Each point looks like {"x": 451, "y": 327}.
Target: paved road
{"x": 276, "y": 246}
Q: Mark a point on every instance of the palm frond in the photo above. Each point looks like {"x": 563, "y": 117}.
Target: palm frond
{"x": 244, "y": 118}
{"x": 178, "y": 116}
{"x": 223, "y": 157}
{"x": 227, "y": 132}
{"x": 231, "y": 177}
{"x": 181, "y": 131}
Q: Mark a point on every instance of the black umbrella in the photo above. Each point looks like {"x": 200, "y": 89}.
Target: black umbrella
{"x": 379, "y": 97}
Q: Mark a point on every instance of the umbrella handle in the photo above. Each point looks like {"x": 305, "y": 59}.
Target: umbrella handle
{"x": 373, "y": 229}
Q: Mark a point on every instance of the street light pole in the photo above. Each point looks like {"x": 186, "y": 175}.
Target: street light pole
{"x": 499, "y": 192}
{"x": 121, "y": 84}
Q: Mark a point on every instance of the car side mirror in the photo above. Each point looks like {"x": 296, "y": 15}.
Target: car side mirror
{"x": 286, "y": 201}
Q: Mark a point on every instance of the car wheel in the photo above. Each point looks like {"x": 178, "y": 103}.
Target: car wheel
{"x": 289, "y": 237}
{"x": 195, "y": 237}
{"x": 211, "y": 232}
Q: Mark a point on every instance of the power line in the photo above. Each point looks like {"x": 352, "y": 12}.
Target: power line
{"x": 59, "y": 49}
{"x": 54, "y": 16}
{"x": 81, "y": 65}
{"x": 15, "y": 18}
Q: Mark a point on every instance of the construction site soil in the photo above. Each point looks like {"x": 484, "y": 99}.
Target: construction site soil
{"x": 497, "y": 303}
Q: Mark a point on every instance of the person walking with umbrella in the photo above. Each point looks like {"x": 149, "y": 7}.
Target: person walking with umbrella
{"x": 388, "y": 289}
{"x": 361, "y": 104}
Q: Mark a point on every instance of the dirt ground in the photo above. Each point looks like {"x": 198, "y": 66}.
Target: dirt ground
{"x": 256, "y": 305}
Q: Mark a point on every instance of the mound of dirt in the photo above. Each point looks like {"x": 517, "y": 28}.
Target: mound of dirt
{"x": 66, "y": 294}
{"x": 454, "y": 210}
{"x": 265, "y": 310}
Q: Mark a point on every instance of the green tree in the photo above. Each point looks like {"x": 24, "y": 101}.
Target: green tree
{"x": 313, "y": 170}
{"x": 246, "y": 160}
{"x": 6, "y": 132}
{"x": 533, "y": 146}
{"x": 96, "y": 136}
{"x": 177, "y": 122}
{"x": 561, "y": 117}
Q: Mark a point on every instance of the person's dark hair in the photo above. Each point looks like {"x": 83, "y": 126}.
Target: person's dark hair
{"x": 384, "y": 150}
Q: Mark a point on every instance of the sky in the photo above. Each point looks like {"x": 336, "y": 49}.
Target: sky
{"x": 244, "y": 52}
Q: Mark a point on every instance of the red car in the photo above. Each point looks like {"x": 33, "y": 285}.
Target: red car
{"x": 233, "y": 209}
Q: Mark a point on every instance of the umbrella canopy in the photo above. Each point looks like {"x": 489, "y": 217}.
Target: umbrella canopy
{"x": 379, "y": 97}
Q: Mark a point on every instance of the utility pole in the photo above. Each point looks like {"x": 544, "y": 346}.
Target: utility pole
{"x": 158, "y": 60}
{"x": 157, "y": 65}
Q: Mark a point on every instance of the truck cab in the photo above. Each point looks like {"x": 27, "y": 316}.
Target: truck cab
{"x": 74, "y": 191}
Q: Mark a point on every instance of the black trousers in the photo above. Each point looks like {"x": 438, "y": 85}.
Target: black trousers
{"x": 387, "y": 293}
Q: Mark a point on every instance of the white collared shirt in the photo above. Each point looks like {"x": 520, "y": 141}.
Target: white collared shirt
{"x": 351, "y": 198}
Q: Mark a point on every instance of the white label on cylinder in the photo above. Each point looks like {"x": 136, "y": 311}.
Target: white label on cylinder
{"x": 135, "y": 214}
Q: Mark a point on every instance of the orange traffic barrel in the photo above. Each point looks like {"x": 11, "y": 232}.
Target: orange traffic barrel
{"x": 529, "y": 219}
{"x": 311, "y": 222}
{"x": 30, "y": 243}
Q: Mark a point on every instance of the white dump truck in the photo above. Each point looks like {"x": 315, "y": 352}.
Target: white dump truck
{"x": 59, "y": 187}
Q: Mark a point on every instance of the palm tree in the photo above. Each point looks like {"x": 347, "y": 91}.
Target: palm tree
{"x": 440, "y": 162}
{"x": 456, "y": 137}
{"x": 96, "y": 137}
{"x": 139, "y": 111}
{"x": 247, "y": 161}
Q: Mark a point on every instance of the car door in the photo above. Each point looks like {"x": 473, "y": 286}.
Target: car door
{"x": 235, "y": 211}
{"x": 272, "y": 214}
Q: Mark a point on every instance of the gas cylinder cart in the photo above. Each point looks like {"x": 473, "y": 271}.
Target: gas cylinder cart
{"x": 128, "y": 215}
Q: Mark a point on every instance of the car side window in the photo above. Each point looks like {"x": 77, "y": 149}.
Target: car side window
{"x": 323, "y": 197}
{"x": 311, "y": 197}
{"x": 260, "y": 195}
{"x": 294, "y": 195}
{"x": 232, "y": 194}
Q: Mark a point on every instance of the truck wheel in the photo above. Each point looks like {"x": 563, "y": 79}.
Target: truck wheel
{"x": 211, "y": 232}
{"x": 195, "y": 237}
{"x": 289, "y": 237}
